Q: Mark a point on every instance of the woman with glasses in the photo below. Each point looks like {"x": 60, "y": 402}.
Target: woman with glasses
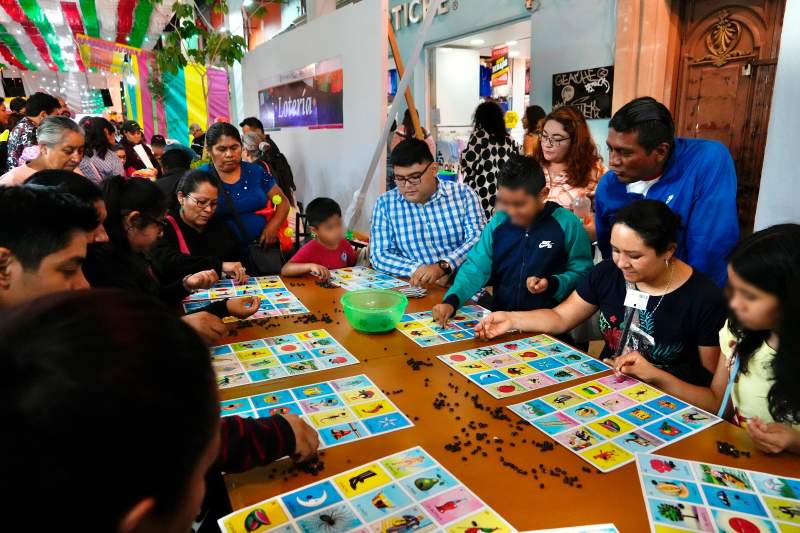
{"x": 195, "y": 240}
{"x": 136, "y": 219}
{"x": 488, "y": 149}
{"x": 571, "y": 163}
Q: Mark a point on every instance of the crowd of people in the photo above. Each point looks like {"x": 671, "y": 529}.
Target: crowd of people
{"x": 649, "y": 250}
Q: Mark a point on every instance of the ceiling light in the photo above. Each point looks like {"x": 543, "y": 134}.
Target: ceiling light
{"x": 513, "y": 53}
{"x": 477, "y": 42}
{"x": 247, "y": 3}
{"x": 511, "y": 43}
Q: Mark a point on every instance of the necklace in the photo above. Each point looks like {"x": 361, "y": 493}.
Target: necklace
{"x": 666, "y": 290}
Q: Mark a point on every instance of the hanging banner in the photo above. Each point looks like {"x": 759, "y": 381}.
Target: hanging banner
{"x": 589, "y": 91}
{"x": 500, "y": 66}
{"x": 311, "y": 96}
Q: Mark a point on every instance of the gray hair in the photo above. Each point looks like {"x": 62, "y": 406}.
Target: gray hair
{"x": 254, "y": 143}
{"x": 52, "y": 129}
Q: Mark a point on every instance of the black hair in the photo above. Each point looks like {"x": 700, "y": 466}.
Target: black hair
{"x": 96, "y": 137}
{"x": 176, "y": 159}
{"x": 124, "y": 196}
{"x": 253, "y": 123}
{"x": 65, "y": 181}
{"x": 158, "y": 140}
{"x": 770, "y": 260}
{"x": 410, "y": 152}
{"x": 85, "y": 396}
{"x": 654, "y": 221}
{"x": 38, "y": 221}
{"x": 408, "y": 124}
{"x": 521, "y": 172}
{"x": 192, "y": 179}
{"x": 490, "y": 118}
{"x": 649, "y": 118}
{"x": 39, "y": 102}
{"x": 217, "y": 130}
{"x": 321, "y": 209}
{"x": 533, "y": 114}
{"x": 17, "y": 105}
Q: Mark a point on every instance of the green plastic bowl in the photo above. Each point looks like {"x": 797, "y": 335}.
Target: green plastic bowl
{"x": 374, "y": 310}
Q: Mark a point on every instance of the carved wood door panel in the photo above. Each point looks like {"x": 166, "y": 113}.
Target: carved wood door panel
{"x": 727, "y": 70}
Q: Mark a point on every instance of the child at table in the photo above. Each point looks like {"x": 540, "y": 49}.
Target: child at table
{"x": 532, "y": 252}
{"x": 760, "y": 367}
{"x": 128, "y": 422}
{"x": 329, "y": 249}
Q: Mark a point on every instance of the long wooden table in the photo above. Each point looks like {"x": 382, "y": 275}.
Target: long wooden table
{"x": 595, "y": 498}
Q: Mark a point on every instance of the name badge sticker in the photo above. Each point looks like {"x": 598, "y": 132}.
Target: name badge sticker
{"x": 636, "y": 299}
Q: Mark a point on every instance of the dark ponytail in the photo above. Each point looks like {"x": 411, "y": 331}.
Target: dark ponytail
{"x": 123, "y": 196}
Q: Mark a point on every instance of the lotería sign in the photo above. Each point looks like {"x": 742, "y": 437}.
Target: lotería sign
{"x": 413, "y": 11}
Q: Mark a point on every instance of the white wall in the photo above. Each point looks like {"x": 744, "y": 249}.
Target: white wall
{"x": 332, "y": 162}
{"x": 570, "y": 35}
{"x": 780, "y": 180}
{"x": 457, "y": 85}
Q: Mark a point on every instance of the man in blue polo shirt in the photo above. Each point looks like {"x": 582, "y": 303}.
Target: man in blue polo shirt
{"x": 694, "y": 177}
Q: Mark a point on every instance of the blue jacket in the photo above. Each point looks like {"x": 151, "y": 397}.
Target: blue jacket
{"x": 555, "y": 247}
{"x": 699, "y": 184}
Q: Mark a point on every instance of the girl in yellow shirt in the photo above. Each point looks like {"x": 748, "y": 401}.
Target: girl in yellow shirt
{"x": 760, "y": 367}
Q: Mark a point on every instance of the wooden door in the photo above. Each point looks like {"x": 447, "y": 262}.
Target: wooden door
{"x": 727, "y": 65}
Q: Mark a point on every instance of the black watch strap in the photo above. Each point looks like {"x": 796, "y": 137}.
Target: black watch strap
{"x": 445, "y": 266}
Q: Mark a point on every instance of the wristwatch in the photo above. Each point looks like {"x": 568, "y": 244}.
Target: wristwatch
{"x": 445, "y": 266}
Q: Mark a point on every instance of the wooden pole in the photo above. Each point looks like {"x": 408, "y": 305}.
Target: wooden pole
{"x": 398, "y": 61}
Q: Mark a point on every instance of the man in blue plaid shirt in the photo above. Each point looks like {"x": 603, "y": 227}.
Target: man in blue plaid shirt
{"x": 425, "y": 227}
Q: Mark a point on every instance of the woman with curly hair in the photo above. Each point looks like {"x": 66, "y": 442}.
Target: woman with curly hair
{"x": 759, "y": 371}
{"x": 570, "y": 161}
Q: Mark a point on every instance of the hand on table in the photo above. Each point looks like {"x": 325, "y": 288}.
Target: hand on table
{"x": 494, "y": 324}
{"x": 306, "y": 438}
{"x": 319, "y": 271}
{"x": 426, "y": 275}
{"x": 772, "y": 437}
{"x": 201, "y": 280}
{"x": 235, "y": 271}
{"x": 536, "y": 285}
{"x": 243, "y": 306}
{"x": 442, "y": 313}
{"x": 634, "y": 364}
{"x": 210, "y": 328}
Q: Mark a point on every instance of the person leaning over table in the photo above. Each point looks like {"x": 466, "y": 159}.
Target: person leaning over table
{"x": 532, "y": 252}
{"x": 694, "y": 177}
{"x": 194, "y": 240}
{"x": 759, "y": 342}
{"x": 89, "y": 386}
{"x": 136, "y": 211}
{"x": 424, "y": 228}
{"x": 248, "y": 188}
{"x": 673, "y": 312}
{"x": 81, "y": 188}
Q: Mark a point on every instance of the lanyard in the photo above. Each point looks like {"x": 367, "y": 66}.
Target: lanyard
{"x": 729, "y": 387}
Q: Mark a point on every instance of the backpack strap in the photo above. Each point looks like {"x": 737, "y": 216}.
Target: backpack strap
{"x": 182, "y": 246}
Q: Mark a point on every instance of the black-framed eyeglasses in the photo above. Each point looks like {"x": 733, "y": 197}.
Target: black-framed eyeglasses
{"x": 204, "y": 203}
{"x": 411, "y": 179}
{"x": 162, "y": 223}
{"x": 552, "y": 140}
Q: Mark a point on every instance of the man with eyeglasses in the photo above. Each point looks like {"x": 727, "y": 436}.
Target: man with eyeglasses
{"x": 425, "y": 227}
{"x": 696, "y": 178}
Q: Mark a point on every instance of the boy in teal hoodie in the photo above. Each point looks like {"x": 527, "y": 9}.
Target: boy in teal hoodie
{"x": 532, "y": 252}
